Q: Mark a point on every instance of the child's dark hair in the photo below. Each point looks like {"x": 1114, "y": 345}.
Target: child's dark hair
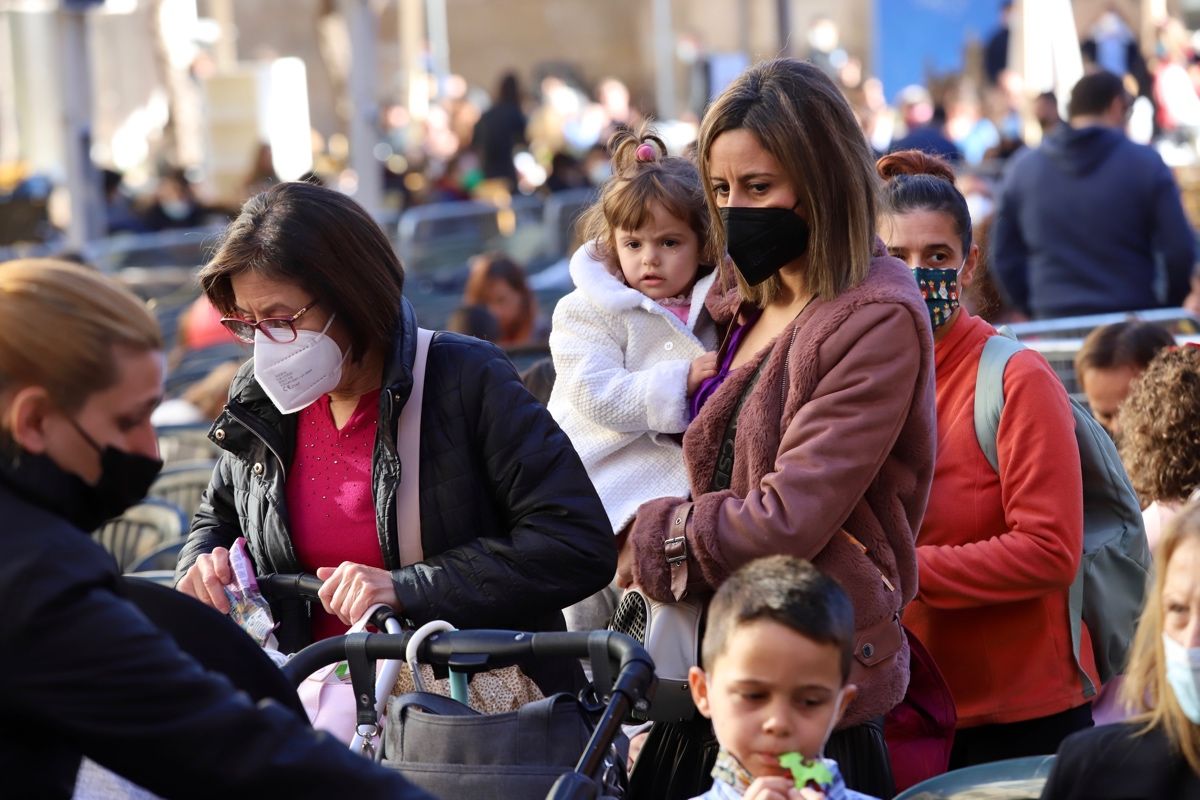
{"x": 916, "y": 181}
{"x": 786, "y": 590}
{"x": 642, "y": 174}
{"x": 1132, "y": 343}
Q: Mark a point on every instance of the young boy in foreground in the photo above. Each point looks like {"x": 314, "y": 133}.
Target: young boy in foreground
{"x": 776, "y": 658}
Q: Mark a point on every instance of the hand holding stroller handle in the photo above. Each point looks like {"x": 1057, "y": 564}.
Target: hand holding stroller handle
{"x": 279, "y": 586}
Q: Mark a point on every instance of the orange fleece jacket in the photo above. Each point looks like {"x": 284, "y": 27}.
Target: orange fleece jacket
{"x": 997, "y": 553}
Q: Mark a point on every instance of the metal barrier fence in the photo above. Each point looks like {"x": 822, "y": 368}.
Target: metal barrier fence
{"x": 1175, "y": 320}
{"x": 1061, "y": 354}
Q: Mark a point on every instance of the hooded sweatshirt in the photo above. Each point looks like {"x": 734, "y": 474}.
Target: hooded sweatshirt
{"x": 1079, "y": 224}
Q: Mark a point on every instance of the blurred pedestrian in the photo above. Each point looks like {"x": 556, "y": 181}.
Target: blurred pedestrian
{"x": 500, "y": 131}
{"x": 499, "y": 283}
{"x": 1083, "y": 220}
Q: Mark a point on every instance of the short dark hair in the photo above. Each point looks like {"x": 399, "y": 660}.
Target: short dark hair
{"x": 1094, "y": 93}
{"x": 786, "y": 590}
{"x": 322, "y": 240}
{"x": 1132, "y": 343}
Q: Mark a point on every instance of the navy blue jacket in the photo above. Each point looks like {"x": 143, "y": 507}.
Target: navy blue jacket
{"x": 1080, "y": 221}
{"x": 84, "y": 672}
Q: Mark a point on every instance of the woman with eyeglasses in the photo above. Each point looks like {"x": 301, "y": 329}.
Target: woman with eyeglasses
{"x": 511, "y": 529}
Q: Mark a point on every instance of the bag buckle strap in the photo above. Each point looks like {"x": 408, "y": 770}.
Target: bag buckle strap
{"x": 675, "y": 549}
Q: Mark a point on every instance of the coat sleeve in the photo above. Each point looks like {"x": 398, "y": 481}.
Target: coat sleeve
{"x": 591, "y": 375}
{"x": 87, "y": 667}
{"x": 1173, "y": 235}
{"x": 216, "y": 521}
{"x": 559, "y": 548}
{"x": 1010, "y": 253}
{"x": 829, "y": 455}
{"x": 1041, "y": 487}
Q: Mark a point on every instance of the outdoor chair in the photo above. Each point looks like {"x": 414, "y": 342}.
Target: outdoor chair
{"x": 141, "y": 529}
{"x": 182, "y": 484}
{"x": 182, "y": 443}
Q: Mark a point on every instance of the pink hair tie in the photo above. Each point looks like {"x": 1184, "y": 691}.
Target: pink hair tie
{"x": 645, "y": 152}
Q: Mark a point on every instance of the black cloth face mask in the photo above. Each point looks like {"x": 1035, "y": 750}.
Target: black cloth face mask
{"x": 124, "y": 480}
{"x": 761, "y": 240}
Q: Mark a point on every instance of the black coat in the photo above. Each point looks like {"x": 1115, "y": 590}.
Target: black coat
{"x": 84, "y": 672}
{"x": 1112, "y": 762}
{"x": 511, "y": 528}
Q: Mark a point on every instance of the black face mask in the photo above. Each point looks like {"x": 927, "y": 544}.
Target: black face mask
{"x": 124, "y": 480}
{"x": 761, "y": 240}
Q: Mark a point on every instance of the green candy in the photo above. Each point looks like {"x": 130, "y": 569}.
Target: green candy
{"x": 804, "y": 770}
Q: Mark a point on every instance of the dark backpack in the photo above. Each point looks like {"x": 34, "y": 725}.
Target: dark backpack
{"x": 1110, "y": 586}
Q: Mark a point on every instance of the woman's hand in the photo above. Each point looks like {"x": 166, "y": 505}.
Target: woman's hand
{"x": 776, "y": 788}
{"x": 205, "y": 580}
{"x": 350, "y": 589}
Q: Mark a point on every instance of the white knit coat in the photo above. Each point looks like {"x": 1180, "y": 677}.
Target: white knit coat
{"x": 621, "y": 362}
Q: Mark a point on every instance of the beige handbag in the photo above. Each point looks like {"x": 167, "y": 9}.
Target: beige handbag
{"x": 490, "y": 692}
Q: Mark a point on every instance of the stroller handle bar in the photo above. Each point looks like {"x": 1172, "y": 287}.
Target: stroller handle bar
{"x": 479, "y": 650}
{"x": 470, "y": 651}
{"x": 299, "y": 585}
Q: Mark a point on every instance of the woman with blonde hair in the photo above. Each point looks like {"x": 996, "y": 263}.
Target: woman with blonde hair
{"x": 1156, "y": 754}
{"x": 815, "y": 436}
{"x": 85, "y": 673}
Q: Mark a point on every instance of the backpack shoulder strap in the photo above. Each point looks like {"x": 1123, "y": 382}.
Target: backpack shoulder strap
{"x": 989, "y": 391}
{"x": 408, "y": 448}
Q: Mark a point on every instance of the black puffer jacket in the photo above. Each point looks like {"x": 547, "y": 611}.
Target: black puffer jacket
{"x": 511, "y": 528}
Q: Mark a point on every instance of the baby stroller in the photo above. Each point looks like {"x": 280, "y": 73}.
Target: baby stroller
{"x": 560, "y": 748}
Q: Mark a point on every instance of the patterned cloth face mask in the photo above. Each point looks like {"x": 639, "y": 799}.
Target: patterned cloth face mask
{"x": 939, "y": 287}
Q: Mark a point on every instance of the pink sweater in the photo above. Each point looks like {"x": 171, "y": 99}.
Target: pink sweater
{"x": 331, "y": 507}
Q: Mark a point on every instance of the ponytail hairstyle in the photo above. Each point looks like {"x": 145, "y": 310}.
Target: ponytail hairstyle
{"x": 643, "y": 174}
{"x": 916, "y": 181}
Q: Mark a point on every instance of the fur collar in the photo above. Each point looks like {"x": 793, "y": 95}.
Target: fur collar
{"x": 789, "y": 377}
{"x": 605, "y": 289}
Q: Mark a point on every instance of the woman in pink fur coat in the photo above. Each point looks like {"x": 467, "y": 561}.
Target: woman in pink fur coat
{"x": 816, "y": 437}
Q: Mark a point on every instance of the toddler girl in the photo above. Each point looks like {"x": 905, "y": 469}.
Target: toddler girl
{"x": 632, "y": 342}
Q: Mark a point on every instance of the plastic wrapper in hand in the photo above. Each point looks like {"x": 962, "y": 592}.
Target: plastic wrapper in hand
{"x": 247, "y": 607}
